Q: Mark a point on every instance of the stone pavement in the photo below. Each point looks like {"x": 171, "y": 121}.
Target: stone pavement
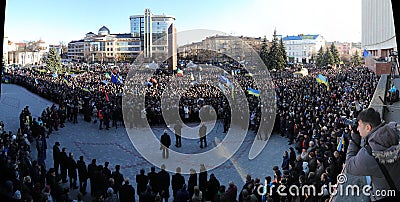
{"x": 115, "y": 146}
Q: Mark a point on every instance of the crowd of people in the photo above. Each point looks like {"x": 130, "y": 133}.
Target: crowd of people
{"x": 310, "y": 114}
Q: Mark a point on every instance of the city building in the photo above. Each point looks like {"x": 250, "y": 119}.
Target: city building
{"x": 302, "y": 48}
{"x": 29, "y": 53}
{"x": 149, "y": 33}
{"x": 378, "y": 35}
{"x": 233, "y": 47}
{"x": 104, "y": 47}
{"x": 152, "y": 31}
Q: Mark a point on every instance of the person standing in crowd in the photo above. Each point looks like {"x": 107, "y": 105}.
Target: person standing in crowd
{"x": 56, "y": 156}
{"x": 213, "y": 186}
{"x": 165, "y": 144}
{"x": 380, "y": 153}
{"x": 83, "y": 175}
{"x": 178, "y": 134}
{"x": 192, "y": 182}
{"x": 91, "y": 170}
{"x": 153, "y": 179}
{"x": 64, "y": 164}
{"x": 118, "y": 178}
{"x": 177, "y": 182}
{"x": 203, "y": 179}
{"x": 231, "y": 193}
{"x": 203, "y": 135}
{"x": 182, "y": 195}
{"x": 72, "y": 171}
{"x": 141, "y": 182}
{"x": 101, "y": 118}
{"x": 127, "y": 192}
{"x": 164, "y": 183}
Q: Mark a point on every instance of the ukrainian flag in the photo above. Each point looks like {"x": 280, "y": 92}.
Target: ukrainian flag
{"x": 66, "y": 80}
{"x": 341, "y": 143}
{"x": 253, "y": 92}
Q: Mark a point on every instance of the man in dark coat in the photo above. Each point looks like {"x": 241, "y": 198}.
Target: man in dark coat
{"x": 118, "y": 178}
{"x": 64, "y": 164}
{"x": 165, "y": 143}
{"x": 83, "y": 175}
{"x": 177, "y": 181}
{"x": 153, "y": 179}
{"x": 72, "y": 171}
{"x": 56, "y": 156}
{"x": 141, "y": 182}
{"x": 127, "y": 192}
{"x": 91, "y": 169}
{"x": 163, "y": 183}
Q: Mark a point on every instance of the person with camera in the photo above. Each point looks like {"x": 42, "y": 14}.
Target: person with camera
{"x": 379, "y": 157}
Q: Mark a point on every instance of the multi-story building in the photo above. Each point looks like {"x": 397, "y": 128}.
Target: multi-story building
{"x": 301, "y": 48}
{"x": 378, "y": 34}
{"x": 233, "y": 47}
{"x": 152, "y": 30}
{"x": 30, "y": 53}
{"x": 104, "y": 47}
{"x": 149, "y": 33}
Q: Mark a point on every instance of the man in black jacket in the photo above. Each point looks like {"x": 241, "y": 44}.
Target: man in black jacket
{"x": 91, "y": 169}
{"x": 177, "y": 181}
{"x": 64, "y": 164}
{"x": 56, "y": 156}
{"x": 83, "y": 175}
{"x": 165, "y": 143}
{"x": 141, "y": 182}
{"x": 127, "y": 192}
{"x": 163, "y": 183}
{"x": 72, "y": 171}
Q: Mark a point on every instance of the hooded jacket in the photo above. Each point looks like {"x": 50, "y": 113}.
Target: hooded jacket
{"x": 385, "y": 144}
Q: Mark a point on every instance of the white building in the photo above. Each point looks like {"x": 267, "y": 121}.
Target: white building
{"x": 301, "y": 48}
{"x": 152, "y": 30}
{"x": 378, "y": 35}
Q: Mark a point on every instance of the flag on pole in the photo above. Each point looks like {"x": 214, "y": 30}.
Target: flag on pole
{"x": 341, "y": 143}
{"x": 66, "y": 80}
{"x": 105, "y": 82}
{"x": 253, "y": 92}
{"x": 36, "y": 81}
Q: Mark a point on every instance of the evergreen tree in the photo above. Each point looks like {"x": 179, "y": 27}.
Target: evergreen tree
{"x": 335, "y": 54}
{"x": 264, "y": 52}
{"x": 276, "y": 59}
{"x": 328, "y": 57}
{"x": 355, "y": 59}
{"x": 283, "y": 52}
{"x": 320, "y": 57}
{"x": 53, "y": 60}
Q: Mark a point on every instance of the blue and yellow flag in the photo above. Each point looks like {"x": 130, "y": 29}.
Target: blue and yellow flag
{"x": 85, "y": 89}
{"x": 65, "y": 79}
{"x": 341, "y": 143}
{"x": 253, "y": 92}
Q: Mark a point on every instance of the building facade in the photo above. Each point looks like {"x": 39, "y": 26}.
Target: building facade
{"x": 29, "y": 53}
{"x": 302, "y": 48}
{"x": 236, "y": 48}
{"x": 152, "y": 31}
{"x": 378, "y": 33}
{"x": 345, "y": 49}
{"x": 149, "y": 33}
{"x": 104, "y": 47}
